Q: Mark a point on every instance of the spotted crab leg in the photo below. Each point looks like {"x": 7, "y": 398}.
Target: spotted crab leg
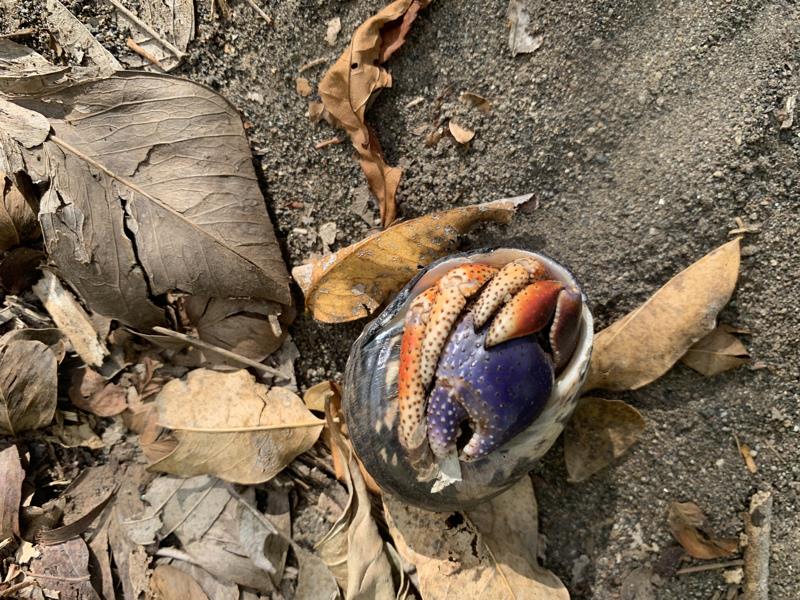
{"x": 512, "y": 278}
{"x": 410, "y": 389}
{"x": 455, "y": 288}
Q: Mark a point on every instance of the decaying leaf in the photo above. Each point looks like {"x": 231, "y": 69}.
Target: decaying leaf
{"x": 689, "y": 526}
{"x": 460, "y": 134}
{"x": 476, "y": 101}
{"x": 169, "y": 583}
{"x": 11, "y": 477}
{"x": 348, "y": 86}
{"x": 23, "y": 71}
{"x": 26, "y": 127}
{"x": 152, "y": 190}
{"x": 229, "y": 426}
{"x": 91, "y": 392}
{"x": 353, "y": 282}
{"x": 73, "y": 36}
{"x": 174, "y": 22}
{"x": 717, "y": 352}
{"x": 314, "y": 580}
{"x": 353, "y": 548}
{"x": 64, "y": 568}
{"x": 71, "y": 319}
{"x": 599, "y": 432}
{"x": 27, "y": 396}
{"x": 645, "y": 343}
{"x": 519, "y": 40}
{"x": 18, "y": 222}
{"x": 491, "y": 552}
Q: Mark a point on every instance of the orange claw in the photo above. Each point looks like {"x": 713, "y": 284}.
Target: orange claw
{"x": 511, "y": 279}
{"x": 526, "y": 313}
{"x": 410, "y": 389}
{"x": 454, "y": 289}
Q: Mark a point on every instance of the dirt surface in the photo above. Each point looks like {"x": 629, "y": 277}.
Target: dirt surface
{"x": 644, "y": 128}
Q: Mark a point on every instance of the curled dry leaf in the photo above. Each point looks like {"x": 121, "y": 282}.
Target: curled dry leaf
{"x": 492, "y": 553}
{"x": 18, "y": 222}
{"x": 519, "y": 40}
{"x": 229, "y": 426}
{"x": 689, "y": 526}
{"x": 461, "y": 134}
{"x": 157, "y": 174}
{"x": 11, "y": 477}
{"x": 644, "y": 344}
{"x": 27, "y": 396}
{"x": 476, "y": 101}
{"x": 348, "y": 86}
{"x": 73, "y": 36}
{"x": 599, "y": 432}
{"x": 717, "y": 352}
{"x": 23, "y": 71}
{"x": 353, "y": 282}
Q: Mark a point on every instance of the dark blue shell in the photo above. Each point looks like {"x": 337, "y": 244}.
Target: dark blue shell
{"x": 500, "y": 391}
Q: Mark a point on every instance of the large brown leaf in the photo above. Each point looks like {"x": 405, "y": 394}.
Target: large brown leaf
{"x": 230, "y": 426}
{"x": 358, "y": 74}
{"x": 353, "y": 282}
{"x": 599, "y": 432}
{"x": 490, "y": 553}
{"x": 644, "y": 344}
{"x": 27, "y": 395}
{"x": 152, "y": 190}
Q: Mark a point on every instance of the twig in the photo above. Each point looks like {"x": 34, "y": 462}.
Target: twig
{"x": 329, "y": 142}
{"x": 152, "y": 32}
{"x": 131, "y": 43}
{"x": 312, "y": 63}
{"x": 757, "y": 526}
{"x": 17, "y": 587}
{"x": 710, "y": 567}
{"x": 260, "y": 12}
{"x": 222, "y": 351}
{"x": 15, "y": 35}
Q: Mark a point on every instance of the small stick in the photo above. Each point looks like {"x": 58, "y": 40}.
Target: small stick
{"x": 131, "y": 43}
{"x": 9, "y": 591}
{"x": 757, "y": 526}
{"x": 712, "y": 567}
{"x": 152, "y": 32}
{"x": 329, "y": 142}
{"x": 260, "y": 12}
{"x": 312, "y": 63}
{"x": 18, "y": 34}
{"x": 226, "y": 353}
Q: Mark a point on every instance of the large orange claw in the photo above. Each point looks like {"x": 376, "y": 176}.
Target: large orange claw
{"x": 454, "y": 289}
{"x": 410, "y": 389}
{"x": 511, "y": 279}
{"x": 526, "y": 313}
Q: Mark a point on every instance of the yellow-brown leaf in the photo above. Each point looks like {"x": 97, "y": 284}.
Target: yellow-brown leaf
{"x": 689, "y": 526}
{"x": 716, "y": 353}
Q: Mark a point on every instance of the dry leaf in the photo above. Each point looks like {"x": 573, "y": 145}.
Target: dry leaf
{"x": 18, "y": 222}
{"x": 229, "y": 426}
{"x": 519, "y": 40}
{"x": 91, "y": 392}
{"x": 316, "y": 396}
{"x": 23, "y": 71}
{"x": 348, "y": 86}
{"x": 688, "y": 525}
{"x": 26, "y": 127}
{"x": 172, "y": 19}
{"x": 749, "y": 461}
{"x": 476, "y": 101}
{"x": 645, "y": 343}
{"x": 314, "y": 580}
{"x": 599, "y": 432}
{"x": 460, "y": 134}
{"x": 334, "y": 27}
{"x": 303, "y": 87}
{"x": 786, "y": 114}
{"x": 19, "y": 269}
{"x": 169, "y": 583}
{"x": 166, "y": 198}
{"x": 11, "y": 477}
{"x": 492, "y": 553}
{"x": 65, "y": 569}
{"x": 716, "y": 353}
{"x": 353, "y": 282}
{"x": 27, "y": 396}
{"x": 73, "y": 36}
{"x": 213, "y": 587}
{"x": 71, "y": 319}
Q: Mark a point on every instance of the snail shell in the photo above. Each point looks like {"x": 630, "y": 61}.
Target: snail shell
{"x": 371, "y": 407}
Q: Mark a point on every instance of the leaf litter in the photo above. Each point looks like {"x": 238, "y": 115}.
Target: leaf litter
{"x": 202, "y": 425}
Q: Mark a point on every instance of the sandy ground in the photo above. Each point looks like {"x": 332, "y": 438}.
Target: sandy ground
{"x": 644, "y": 128}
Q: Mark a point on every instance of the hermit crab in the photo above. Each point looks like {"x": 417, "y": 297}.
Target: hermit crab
{"x": 468, "y": 376}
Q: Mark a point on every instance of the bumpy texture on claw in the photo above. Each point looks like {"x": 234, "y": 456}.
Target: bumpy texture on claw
{"x": 411, "y": 391}
{"x": 454, "y": 289}
{"x": 498, "y": 392}
{"x": 509, "y": 280}
{"x": 527, "y": 312}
